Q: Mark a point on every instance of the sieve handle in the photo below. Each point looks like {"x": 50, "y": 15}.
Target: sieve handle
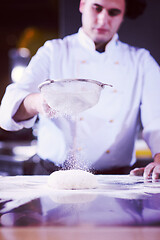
{"x": 105, "y": 84}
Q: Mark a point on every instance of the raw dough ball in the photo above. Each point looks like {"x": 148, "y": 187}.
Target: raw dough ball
{"x": 72, "y": 179}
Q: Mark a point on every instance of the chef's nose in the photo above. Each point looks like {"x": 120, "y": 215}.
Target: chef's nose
{"x": 103, "y": 17}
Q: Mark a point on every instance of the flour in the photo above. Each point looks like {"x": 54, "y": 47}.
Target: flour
{"x": 72, "y": 179}
{"x": 68, "y": 98}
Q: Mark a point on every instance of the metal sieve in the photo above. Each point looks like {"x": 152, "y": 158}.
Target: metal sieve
{"x": 71, "y": 96}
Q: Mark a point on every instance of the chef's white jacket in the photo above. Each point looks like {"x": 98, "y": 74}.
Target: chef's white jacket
{"x": 105, "y": 133}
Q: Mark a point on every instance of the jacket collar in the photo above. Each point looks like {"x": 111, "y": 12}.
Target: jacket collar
{"x": 90, "y": 45}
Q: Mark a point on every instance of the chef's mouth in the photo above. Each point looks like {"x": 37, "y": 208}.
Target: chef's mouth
{"x": 101, "y": 30}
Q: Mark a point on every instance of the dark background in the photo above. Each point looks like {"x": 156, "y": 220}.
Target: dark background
{"x": 15, "y": 17}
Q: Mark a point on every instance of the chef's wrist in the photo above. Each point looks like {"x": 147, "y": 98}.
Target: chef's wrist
{"x": 157, "y": 158}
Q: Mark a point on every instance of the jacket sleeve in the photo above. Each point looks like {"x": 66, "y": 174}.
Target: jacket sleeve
{"x": 150, "y": 103}
{"x": 36, "y": 72}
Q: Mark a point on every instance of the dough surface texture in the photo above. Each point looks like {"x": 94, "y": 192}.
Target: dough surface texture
{"x": 72, "y": 179}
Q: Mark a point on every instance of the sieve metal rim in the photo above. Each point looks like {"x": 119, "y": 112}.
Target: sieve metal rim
{"x": 48, "y": 81}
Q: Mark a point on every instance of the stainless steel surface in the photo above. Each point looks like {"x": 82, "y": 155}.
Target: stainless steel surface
{"x": 118, "y": 201}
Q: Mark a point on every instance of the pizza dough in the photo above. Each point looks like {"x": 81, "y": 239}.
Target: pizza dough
{"x": 72, "y": 179}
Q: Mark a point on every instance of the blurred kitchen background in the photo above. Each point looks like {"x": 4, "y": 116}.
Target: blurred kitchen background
{"x": 24, "y": 26}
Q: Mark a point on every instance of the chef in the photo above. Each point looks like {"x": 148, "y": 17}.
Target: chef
{"x": 106, "y": 133}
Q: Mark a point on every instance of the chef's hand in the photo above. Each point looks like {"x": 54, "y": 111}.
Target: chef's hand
{"x": 152, "y": 169}
{"x": 32, "y": 105}
{"x": 46, "y": 110}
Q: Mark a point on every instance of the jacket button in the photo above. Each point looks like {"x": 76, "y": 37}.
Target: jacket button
{"x": 115, "y": 91}
{"x": 81, "y": 118}
{"x": 111, "y": 121}
{"x": 108, "y": 151}
{"x": 79, "y": 149}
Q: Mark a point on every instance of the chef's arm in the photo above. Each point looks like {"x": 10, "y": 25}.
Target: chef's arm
{"x": 151, "y": 169}
{"x": 32, "y": 105}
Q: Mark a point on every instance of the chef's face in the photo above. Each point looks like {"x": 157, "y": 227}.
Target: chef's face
{"x": 101, "y": 19}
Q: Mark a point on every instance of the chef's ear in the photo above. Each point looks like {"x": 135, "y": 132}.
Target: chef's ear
{"x": 81, "y": 5}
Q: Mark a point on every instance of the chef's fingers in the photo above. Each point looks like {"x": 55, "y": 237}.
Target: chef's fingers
{"x": 156, "y": 172}
{"x": 148, "y": 170}
{"x": 151, "y": 169}
{"x": 137, "y": 172}
{"x": 47, "y": 110}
